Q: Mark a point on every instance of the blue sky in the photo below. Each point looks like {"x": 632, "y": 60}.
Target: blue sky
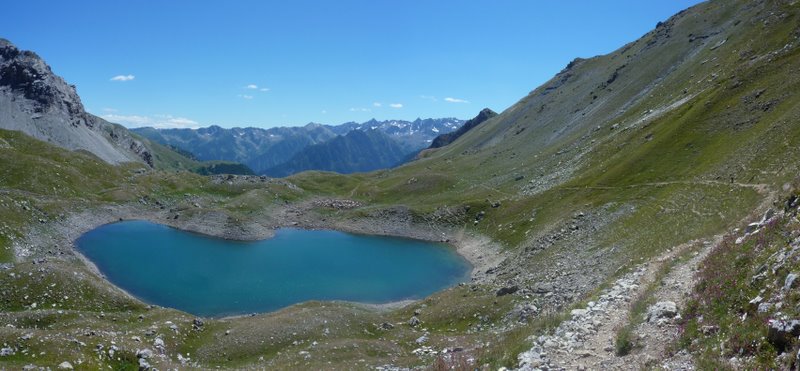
{"x": 267, "y": 63}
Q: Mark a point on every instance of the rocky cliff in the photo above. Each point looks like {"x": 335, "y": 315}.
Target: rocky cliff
{"x": 41, "y": 104}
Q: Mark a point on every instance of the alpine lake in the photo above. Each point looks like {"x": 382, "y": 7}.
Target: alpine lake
{"x": 213, "y": 277}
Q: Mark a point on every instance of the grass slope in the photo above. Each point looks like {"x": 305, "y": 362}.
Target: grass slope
{"x": 673, "y": 137}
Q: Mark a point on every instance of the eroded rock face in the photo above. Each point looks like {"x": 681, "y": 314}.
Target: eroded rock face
{"x": 41, "y": 104}
{"x": 27, "y": 74}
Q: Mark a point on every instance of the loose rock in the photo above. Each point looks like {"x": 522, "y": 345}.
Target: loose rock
{"x": 663, "y": 309}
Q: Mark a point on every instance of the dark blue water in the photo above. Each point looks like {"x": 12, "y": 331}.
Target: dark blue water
{"x": 208, "y": 276}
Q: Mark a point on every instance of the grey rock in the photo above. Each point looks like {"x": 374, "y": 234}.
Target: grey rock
{"x": 65, "y": 366}
{"x": 39, "y": 103}
{"x": 767, "y": 216}
{"x": 755, "y": 302}
{"x": 780, "y": 332}
{"x": 5, "y": 352}
{"x": 385, "y": 326}
{"x": 709, "y": 330}
{"x": 663, "y": 309}
{"x": 144, "y": 365}
{"x": 507, "y": 290}
{"x": 144, "y": 353}
{"x": 752, "y": 227}
{"x": 790, "y": 281}
{"x": 414, "y": 321}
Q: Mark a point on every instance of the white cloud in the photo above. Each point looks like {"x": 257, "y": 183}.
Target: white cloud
{"x": 360, "y": 109}
{"x": 428, "y": 97}
{"x": 455, "y": 100}
{"x": 396, "y": 105}
{"x": 245, "y": 96}
{"x": 156, "y": 121}
{"x": 255, "y": 87}
{"x": 377, "y": 104}
{"x": 123, "y": 78}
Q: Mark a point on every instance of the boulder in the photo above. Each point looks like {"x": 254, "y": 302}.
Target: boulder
{"x": 414, "y": 321}
{"x": 662, "y": 309}
{"x": 159, "y": 343}
{"x": 507, "y": 290}
{"x": 197, "y": 323}
{"x": 144, "y": 353}
{"x": 386, "y": 326}
{"x": 781, "y": 332}
{"x": 65, "y": 366}
{"x": 709, "y": 330}
{"x": 767, "y": 216}
{"x": 755, "y": 302}
{"x": 752, "y": 227}
{"x": 790, "y": 281}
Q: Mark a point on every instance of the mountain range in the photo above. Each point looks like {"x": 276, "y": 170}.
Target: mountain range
{"x": 284, "y": 148}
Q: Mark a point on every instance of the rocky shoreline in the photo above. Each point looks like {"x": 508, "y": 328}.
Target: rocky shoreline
{"x": 57, "y": 237}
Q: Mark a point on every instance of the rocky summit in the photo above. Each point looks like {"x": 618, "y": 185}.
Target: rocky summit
{"x": 637, "y": 210}
{"x": 41, "y": 104}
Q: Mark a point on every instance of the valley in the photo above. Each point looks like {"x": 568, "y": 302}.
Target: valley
{"x": 635, "y": 211}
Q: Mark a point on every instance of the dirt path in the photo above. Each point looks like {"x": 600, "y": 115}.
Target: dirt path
{"x": 587, "y": 339}
{"x": 760, "y": 188}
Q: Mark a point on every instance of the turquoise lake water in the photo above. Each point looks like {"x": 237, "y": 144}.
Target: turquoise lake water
{"x": 209, "y": 276}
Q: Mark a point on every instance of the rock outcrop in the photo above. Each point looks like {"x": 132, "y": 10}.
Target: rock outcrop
{"x": 445, "y": 139}
{"x": 41, "y": 104}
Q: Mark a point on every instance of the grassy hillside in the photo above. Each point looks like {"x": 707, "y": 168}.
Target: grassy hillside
{"x": 745, "y": 296}
{"x": 680, "y": 128}
{"x": 676, "y": 136}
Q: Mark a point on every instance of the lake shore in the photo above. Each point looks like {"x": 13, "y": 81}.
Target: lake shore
{"x": 61, "y": 235}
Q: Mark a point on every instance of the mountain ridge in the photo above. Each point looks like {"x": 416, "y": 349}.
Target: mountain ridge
{"x": 445, "y": 139}
{"x": 356, "y": 151}
{"x": 263, "y": 149}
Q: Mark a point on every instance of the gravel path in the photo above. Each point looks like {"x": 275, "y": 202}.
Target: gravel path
{"x": 586, "y": 340}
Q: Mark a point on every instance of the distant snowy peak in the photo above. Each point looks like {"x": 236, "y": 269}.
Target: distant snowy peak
{"x": 419, "y": 127}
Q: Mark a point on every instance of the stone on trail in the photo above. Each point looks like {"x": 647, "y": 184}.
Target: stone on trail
{"x": 662, "y": 309}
